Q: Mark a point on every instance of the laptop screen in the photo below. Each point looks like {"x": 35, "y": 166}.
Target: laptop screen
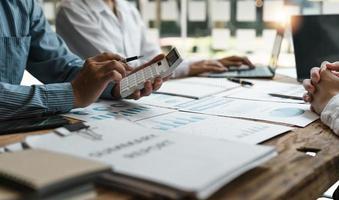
{"x": 273, "y": 63}
{"x": 315, "y": 39}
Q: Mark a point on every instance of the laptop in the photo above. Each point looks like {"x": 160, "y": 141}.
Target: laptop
{"x": 259, "y": 71}
{"x": 315, "y": 39}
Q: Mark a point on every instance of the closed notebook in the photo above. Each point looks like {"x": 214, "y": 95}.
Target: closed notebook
{"x": 149, "y": 161}
{"x": 39, "y": 173}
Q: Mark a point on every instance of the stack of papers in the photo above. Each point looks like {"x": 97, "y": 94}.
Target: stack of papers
{"x": 261, "y": 89}
{"x": 196, "y": 87}
{"x": 163, "y": 100}
{"x": 102, "y": 110}
{"x": 287, "y": 113}
{"x": 173, "y": 165}
{"x": 216, "y": 127}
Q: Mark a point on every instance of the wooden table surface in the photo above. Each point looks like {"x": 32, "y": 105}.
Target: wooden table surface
{"x": 291, "y": 175}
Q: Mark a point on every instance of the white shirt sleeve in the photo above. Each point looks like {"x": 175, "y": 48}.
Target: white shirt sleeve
{"x": 330, "y": 114}
{"x": 81, "y": 33}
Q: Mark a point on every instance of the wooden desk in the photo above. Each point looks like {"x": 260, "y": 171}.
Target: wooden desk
{"x": 290, "y": 175}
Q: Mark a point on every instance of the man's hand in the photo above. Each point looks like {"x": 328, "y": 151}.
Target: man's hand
{"x": 94, "y": 77}
{"x": 218, "y": 66}
{"x": 149, "y": 87}
{"x": 323, "y": 85}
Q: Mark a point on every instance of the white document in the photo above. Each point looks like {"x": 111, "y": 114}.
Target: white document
{"x": 287, "y": 113}
{"x": 246, "y": 10}
{"x": 261, "y": 90}
{"x": 196, "y": 87}
{"x": 116, "y": 109}
{"x": 13, "y": 147}
{"x": 216, "y": 127}
{"x": 163, "y": 100}
{"x": 194, "y": 164}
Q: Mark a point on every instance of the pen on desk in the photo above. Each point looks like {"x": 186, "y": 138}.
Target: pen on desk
{"x": 241, "y": 82}
{"x": 285, "y": 96}
{"x": 130, "y": 59}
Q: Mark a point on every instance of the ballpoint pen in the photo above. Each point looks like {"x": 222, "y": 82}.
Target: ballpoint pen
{"x": 241, "y": 82}
{"x": 285, "y": 96}
{"x": 130, "y": 59}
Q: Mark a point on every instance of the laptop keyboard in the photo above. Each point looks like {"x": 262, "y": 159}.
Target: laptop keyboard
{"x": 258, "y": 71}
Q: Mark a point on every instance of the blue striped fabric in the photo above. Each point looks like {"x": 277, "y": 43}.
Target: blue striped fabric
{"x": 27, "y": 42}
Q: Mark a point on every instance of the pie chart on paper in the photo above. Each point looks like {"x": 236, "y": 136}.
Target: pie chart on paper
{"x": 287, "y": 112}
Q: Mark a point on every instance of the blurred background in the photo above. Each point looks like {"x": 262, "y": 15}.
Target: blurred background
{"x": 214, "y": 28}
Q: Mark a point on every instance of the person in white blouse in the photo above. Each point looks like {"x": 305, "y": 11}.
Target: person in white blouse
{"x": 90, "y": 27}
{"x": 323, "y": 93}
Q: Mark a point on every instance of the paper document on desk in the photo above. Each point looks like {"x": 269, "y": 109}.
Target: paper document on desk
{"x": 102, "y": 110}
{"x": 261, "y": 89}
{"x": 163, "y": 100}
{"x": 287, "y": 113}
{"x": 149, "y": 160}
{"x": 196, "y": 87}
{"x": 216, "y": 127}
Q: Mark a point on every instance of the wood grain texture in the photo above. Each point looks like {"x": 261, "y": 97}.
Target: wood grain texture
{"x": 290, "y": 175}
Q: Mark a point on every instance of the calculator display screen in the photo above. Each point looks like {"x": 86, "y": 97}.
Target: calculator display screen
{"x": 171, "y": 57}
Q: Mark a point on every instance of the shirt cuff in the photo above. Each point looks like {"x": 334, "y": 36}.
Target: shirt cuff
{"x": 59, "y": 97}
{"x": 330, "y": 113}
{"x": 183, "y": 69}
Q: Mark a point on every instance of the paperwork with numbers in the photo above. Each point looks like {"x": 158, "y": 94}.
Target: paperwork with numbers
{"x": 216, "y": 127}
{"x": 116, "y": 109}
{"x": 196, "y": 87}
{"x": 287, "y": 113}
{"x": 261, "y": 90}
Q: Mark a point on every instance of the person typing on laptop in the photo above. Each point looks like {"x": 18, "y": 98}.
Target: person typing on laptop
{"x": 93, "y": 26}
{"x": 27, "y": 42}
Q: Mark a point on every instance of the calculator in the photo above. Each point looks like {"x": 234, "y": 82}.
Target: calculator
{"x": 163, "y": 68}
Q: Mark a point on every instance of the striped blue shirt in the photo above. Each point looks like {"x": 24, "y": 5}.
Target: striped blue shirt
{"x": 27, "y": 42}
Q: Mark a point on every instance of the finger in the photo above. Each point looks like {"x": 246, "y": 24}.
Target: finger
{"x": 213, "y": 68}
{"x": 214, "y": 63}
{"x": 308, "y": 86}
{"x": 112, "y": 76}
{"x": 148, "y": 89}
{"x": 154, "y": 60}
{"x": 333, "y": 66}
{"x": 307, "y": 97}
{"x": 136, "y": 95}
{"x": 157, "y": 84}
{"x": 107, "y": 56}
{"x": 114, "y": 65}
{"x": 166, "y": 78}
{"x": 315, "y": 75}
{"x": 335, "y": 73}
{"x": 232, "y": 63}
{"x": 234, "y": 58}
{"x": 247, "y": 61}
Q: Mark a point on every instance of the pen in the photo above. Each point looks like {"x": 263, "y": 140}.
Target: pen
{"x": 285, "y": 96}
{"x": 132, "y": 58}
{"x": 241, "y": 82}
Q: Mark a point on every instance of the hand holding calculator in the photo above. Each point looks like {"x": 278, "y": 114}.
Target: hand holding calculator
{"x": 163, "y": 68}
